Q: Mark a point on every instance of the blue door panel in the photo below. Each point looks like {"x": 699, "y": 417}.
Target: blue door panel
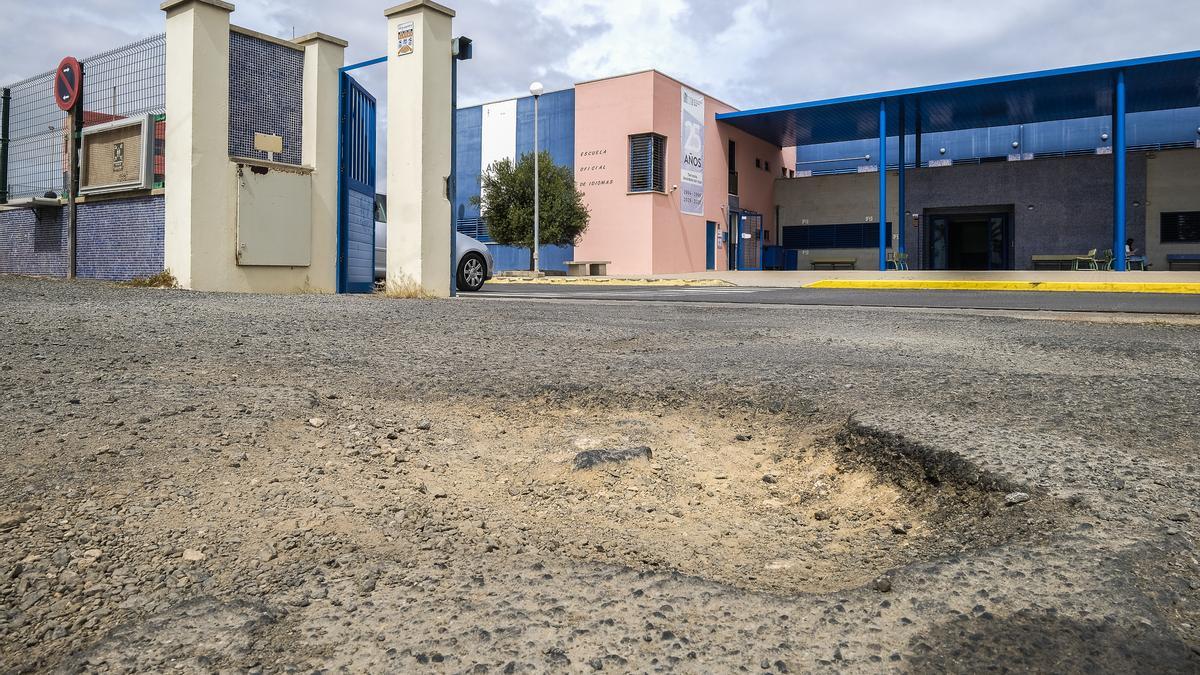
{"x": 356, "y": 189}
{"x": 710, "y": 242}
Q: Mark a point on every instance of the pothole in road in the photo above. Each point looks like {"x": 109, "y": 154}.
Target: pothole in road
{"x": 754, "y": 500}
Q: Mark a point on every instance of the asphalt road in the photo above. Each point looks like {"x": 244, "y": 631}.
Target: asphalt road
{"x": 1141, "y": 303}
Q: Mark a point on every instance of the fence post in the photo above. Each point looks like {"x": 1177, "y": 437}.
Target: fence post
{"x": 323, "y": 56}
{"x": 5, "y": 100}
{"x": 419, "y": 146}
{"x": 198, "y": 205}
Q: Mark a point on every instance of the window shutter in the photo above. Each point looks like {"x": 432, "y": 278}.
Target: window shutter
{"x": 647, "y": 158}
{"x": 844, "y": 235}
{"x": 1180, "y": 226}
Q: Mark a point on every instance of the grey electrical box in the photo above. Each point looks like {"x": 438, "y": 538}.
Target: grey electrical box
{"x": 274, "y": 217}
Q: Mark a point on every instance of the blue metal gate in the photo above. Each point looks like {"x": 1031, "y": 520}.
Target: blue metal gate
{"x": 710, "y": 245}
{"x": 749, "y": 239}
{"x": 356, "y": 188}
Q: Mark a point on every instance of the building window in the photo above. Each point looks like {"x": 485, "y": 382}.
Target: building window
{"x": 647, "y": 161}
{"x": 733, "y": 177}
{"x": 847, "y": 235}
{"x": 757, "y": 163}
{"x": 766, "y": 166}
{"x": 1179, "y": 227}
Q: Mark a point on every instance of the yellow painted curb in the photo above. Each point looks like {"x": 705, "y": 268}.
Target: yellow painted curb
{"x": 1060, "y": 286}
{"x": 608, "y": 281}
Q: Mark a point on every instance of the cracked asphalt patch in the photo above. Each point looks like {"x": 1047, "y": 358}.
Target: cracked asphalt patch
{"x": 827, "y": 488}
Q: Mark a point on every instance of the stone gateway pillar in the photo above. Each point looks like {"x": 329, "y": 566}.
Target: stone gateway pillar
{"x": 418, "y": 147}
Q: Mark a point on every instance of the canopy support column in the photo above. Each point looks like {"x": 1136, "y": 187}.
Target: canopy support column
{"x": 1119, "y": 187}
{"x": 901, "y": 218}
{"x": 883, "y": 185}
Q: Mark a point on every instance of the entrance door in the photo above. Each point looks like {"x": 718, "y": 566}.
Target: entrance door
{"x": 356, "y": 189}
{"x": 750, "y": 235}
{"x": 710, "y": 243}
{"x": 970, "y": 242}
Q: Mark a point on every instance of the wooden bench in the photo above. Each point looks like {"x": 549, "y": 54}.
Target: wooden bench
{"x": 1053, "y": 262}
{"x": 833, "y": 263}
{"x": 587, "y": 268}
{"x": 1183, "y": 261}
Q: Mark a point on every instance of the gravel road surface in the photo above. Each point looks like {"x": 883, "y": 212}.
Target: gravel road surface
{"x": 205, "y": 482}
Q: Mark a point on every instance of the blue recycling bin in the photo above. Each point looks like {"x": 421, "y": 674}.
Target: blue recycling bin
{"x": 772, "y": 257}
{"x": 791, "y": 260}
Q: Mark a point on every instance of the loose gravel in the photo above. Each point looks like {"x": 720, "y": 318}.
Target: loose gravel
{"x": 205, "y": 482}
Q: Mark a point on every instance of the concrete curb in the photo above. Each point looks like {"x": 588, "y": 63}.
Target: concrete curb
{"x": 1054, "y": 286}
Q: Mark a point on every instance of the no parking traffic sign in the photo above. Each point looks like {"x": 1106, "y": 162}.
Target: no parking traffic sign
{"x": 67, "y": 81}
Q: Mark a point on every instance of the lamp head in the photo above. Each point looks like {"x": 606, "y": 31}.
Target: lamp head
{"x": 537, "y": 89}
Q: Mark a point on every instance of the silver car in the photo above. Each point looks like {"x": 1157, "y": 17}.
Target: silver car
{"x": 475, "y": 263}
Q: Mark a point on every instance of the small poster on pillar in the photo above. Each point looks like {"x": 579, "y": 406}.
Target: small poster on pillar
{"x": 691, "y": 175}
{"x": 405, "y": 39}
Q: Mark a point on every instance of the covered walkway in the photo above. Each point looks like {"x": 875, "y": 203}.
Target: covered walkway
{"x": 1107, "y": 89}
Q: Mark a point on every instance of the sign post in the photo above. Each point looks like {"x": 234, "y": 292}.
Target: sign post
{"x": 68, "y": 95}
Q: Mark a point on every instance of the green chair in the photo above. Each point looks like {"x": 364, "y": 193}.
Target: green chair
{"x": 1088, "y": 261}
{"x": 896, "y": 261}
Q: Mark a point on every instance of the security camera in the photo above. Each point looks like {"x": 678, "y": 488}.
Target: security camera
{"x": 674, "y": 188}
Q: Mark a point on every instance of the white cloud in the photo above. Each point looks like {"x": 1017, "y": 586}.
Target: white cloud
{"x": 749, "y": 53}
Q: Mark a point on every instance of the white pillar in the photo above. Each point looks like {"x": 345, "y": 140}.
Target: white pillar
{"x": 197, "y": 143}
{"x": 418, "y": 146}
{"x": 323, "y": 56}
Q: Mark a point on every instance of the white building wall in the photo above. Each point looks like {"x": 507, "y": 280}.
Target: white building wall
{"x": 498, "y": 133}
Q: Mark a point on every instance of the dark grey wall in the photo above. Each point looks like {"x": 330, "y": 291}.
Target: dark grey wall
{"x": 1072, "y": 200}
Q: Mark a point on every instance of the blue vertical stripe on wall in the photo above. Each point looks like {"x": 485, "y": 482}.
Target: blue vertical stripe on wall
{"x": 469, "y": 139}
{"x": 556, "y": 135}
{"x": 556, "y": 126}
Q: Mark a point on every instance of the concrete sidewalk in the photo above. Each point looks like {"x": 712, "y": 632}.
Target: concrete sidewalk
{"x": 1081, "y": 281}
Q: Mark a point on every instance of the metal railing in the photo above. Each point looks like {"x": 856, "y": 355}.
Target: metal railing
{"x": 122, "y": 82}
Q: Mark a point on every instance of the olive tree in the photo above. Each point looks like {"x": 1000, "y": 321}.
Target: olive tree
{"x": 506, "y": 203}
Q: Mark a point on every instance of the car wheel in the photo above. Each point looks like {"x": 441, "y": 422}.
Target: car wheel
{"x": 471, "y": 272}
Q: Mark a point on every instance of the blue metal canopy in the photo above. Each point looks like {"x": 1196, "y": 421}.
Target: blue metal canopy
{"x": 1153, "y": 83}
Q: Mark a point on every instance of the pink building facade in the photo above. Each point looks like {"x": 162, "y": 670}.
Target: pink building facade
{"x": 652, "y": 231}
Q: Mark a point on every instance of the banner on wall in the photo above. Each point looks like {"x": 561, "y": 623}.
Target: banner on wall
{"x": 691, "y": 176}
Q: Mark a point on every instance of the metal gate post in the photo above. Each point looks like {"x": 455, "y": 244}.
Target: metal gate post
{"x": 1119, "y": 188}
{"x": 339, "y": 274}
{"x": 883, "y": 185}
{"x": 5, "y": 101}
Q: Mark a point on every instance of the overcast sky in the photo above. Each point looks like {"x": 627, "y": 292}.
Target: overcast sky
{"x": 749, "y": 53}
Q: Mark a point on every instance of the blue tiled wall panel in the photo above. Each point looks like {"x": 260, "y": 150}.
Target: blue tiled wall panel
{"x": 517, "y": 258}
{"x": 1145, "y": 128}
{"x": 116, "y": 240}
{"x": 266, "y": 96}
{"x": 34, "y": 242}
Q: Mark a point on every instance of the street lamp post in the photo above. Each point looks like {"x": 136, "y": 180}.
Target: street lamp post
{"x": 536, "y": 89}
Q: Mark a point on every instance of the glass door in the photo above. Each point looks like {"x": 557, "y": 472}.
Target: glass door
{"x": 939, "y": 243}
{"x": 998, "y": 243}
